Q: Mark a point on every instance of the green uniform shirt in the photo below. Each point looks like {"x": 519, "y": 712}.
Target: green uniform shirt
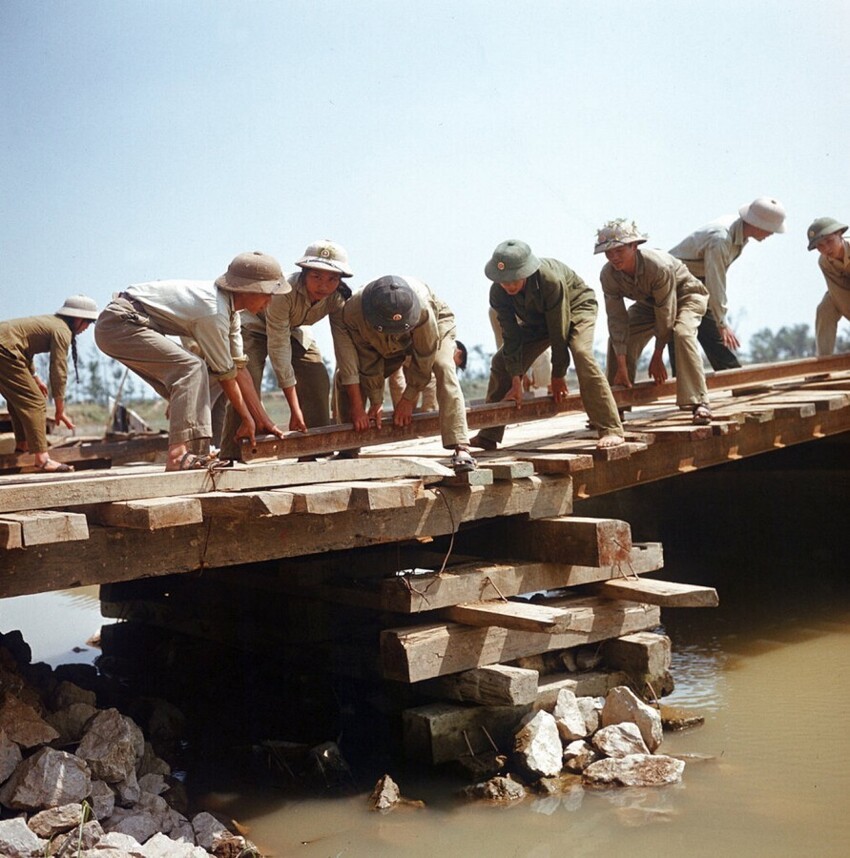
{"x": 552, "y": 298}
{"x": 35, "y": 335}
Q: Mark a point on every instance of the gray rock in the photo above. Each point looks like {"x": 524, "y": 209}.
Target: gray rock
{"x": 86, "y": 838}
{"x": 642, "y": 770}
{"x": 206, "y": 827}
{"x": 537, "y": 745}
{"x": 497, "y": 789}
{"x": 619, "y": 740}
{"x": 23, "y": 725}
{"x": 18, "y": 841}
{"x": 569, "y": 718}
{"x": 71, "y": 722}
{"x": 162, "y": 846}
{"x": 591, "y": 709}
{"x": 181, "y": 828}
{"x": 109, "y": 746}
{"x": 10, "y": 756}
{"x": 153, "y": 783}
{"x": 102, "y": 799}
{"x": 67, "y": 693}
{"x": 138, "y": 824}
{"x": 56, "y": 820}
{"x": 47, "y": 779}
{"x": 621, "y": 704}
{"x": 151, "y": 764}
{"x": 127, "y": 791}
{"x": 114, "y": 844}
{"x": 578, "y": 755}
{"x": 385, "y": 795}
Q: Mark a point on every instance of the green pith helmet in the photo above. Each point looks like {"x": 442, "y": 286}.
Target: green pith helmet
{"x": 616, "y": 233}
{"x": 821, "y": 228}
{"x": 390, "y": 306}
{"x": 512, "y": 260}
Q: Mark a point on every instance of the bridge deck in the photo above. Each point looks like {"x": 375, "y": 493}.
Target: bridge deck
{"x": 94, "y": 527}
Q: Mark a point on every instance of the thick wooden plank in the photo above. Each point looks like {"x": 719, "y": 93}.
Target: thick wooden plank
{"x": 436, "y": 649}
{"x": 10, "y": 534}
{"x": 120, "y": 555}
{"x": 478, "y": 477}
{"x": 42, "y": 527}
{"x": 494, "y": 685}
{"x": 520, "y": 615}
{"x": 247, "y": 504}
{"x": 508, "y": 469}
{"x": 384, "y": 494}
{"x": 558, "y": 463}
{"x": 46, "y": 491}
{"x": 147, "y": 514}
{"x": 665, "y": 594}
{"x": 321, "y": 500}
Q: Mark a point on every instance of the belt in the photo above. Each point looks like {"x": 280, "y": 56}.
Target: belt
{"x": 136, "y": 305}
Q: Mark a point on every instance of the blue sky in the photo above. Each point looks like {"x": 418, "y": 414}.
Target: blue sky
{"x": 148, "y": 140}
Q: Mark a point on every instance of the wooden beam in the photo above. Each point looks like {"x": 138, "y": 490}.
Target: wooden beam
{"x": 42, "y": 527}
{"x": 520, "y": 615}
{"x": 147, "y": 514}
{"x": 494, "y": 685}
{"x": 436, "y": 649}
{"x": 246, "y": 504}
{"x": 665, "y": 594}
{"x": 10, "y": 534}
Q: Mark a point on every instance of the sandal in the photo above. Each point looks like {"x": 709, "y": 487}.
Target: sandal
{"x": 462, "y": 461}
{"x": 701, "y": 415}
{"x": 193, "y": 462}
{"x": 58, "y": 467}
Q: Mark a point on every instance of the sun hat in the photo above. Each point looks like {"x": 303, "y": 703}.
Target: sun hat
{"x": 326, "y": 255}
{"x": 254, "y": 272}
{"x": 390, "y": 305}
{"x": 764, "y": 213}
{"x": 617, "y": 233}
{"x": 511, "y": 260}
{"x": 79, "y": 307}
{"x": 821, "y": 228}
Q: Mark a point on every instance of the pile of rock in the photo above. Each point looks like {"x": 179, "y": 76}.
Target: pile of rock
{"x": 605, "y": 741}
{"x": 80, "y": 780}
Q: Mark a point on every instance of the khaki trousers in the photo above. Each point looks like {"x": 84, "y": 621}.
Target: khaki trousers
{"x": 827, "y": 318}
{"x": 124, "y": 333}
{"x": 593, "y": 386}
{"x": 690, "y": 375}
{"x": 25, "y": 402}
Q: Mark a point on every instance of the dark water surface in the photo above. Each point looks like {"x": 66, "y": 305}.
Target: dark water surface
{"x": 768, "y": 669}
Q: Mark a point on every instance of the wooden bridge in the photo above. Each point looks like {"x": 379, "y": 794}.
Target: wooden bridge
{"x": 436, "y": 560}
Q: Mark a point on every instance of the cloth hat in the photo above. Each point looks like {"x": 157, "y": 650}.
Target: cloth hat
{"x": 79, "y": 307}
{"x": 821, "y": 228}
{"x": 511, "y": 260}
{"x": 326, "y": 255}
{"x": 764, "y": 213}
{"x": 616, "y": 233}
{"x": 254, "y": 272}
{"x": 390, "y": 305}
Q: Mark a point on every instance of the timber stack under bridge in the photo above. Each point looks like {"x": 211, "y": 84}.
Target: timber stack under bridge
{"x": 470, "y": 599}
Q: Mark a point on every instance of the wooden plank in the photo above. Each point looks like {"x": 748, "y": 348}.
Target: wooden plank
{"x": 321, "y": 500}
{"x": 120, "y": 555}
{"x": 246, "y": 504}
{"x": 494, "y": 685}
{"x": 665, "y": 594}
{"x": 46, "y": 491}
{"x": 42, "y": 527}
{"x": 478, "y": 477}
{"x": 384, "y": 494}
{"x": 591, "y": 683}
{"x": 639, "y": 654}
{"x": 10, "y": 534}
{"x": 147, "y": 514}
{"x": 520, "y": 615}
{"x": 558, "y": 463}
{"x": 436, "y": 649}
{"x": 508, "y": 469}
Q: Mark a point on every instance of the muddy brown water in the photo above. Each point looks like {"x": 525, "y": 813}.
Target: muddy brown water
{"x": 768, "y": 670}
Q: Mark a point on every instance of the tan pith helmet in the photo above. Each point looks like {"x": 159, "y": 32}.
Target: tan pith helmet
{"x": 254, "y": 272}
{"x": 764, "y": 213}
{"x": 79, "y": 307}
{"x": 617, "y": 233}
{"x": 821, "y": 228}
{"x": 326, "y": 255}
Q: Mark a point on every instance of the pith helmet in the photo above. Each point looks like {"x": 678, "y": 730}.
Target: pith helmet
{"x": 764, "y": 213}
{"x": 78, "y": 307}
{"x": 821, "y": 228}
{"x": 616, "y": 233}
{"x": 254, "y": 272}
{"x": 326, "y": 255}
{"x": 390, "y": 305}
{"x": 511, "y": 260}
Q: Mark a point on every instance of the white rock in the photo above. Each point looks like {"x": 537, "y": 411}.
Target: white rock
{"x": 48, "y": 778}
{"x": 578, "y": 755}
{"x": 109, "y": 747}
{"x": 537, "y": 745}
{"x": 162, "y": 846}
{"x": 569, "y": 718}
{"x": 636, "y": 770}
{"x": 619, "y": 740}
{"x": 621, "y": 704}
{"x": 18, "y": 841}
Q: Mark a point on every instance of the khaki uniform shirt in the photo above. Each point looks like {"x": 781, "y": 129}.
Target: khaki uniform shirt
{"x": 708, "y": 253}
{"x": 552, "y": 298}
{"x": 35, "y": 335}
{"x": 361, "y": 350}
{"x": 659, "y": 280}
{"x": 197, "y": 309}
{"x": 283, "y": 320}
{"x": 837, "y": 275}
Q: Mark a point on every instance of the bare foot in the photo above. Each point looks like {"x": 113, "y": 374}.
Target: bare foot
{"x": 610, "y": 441}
